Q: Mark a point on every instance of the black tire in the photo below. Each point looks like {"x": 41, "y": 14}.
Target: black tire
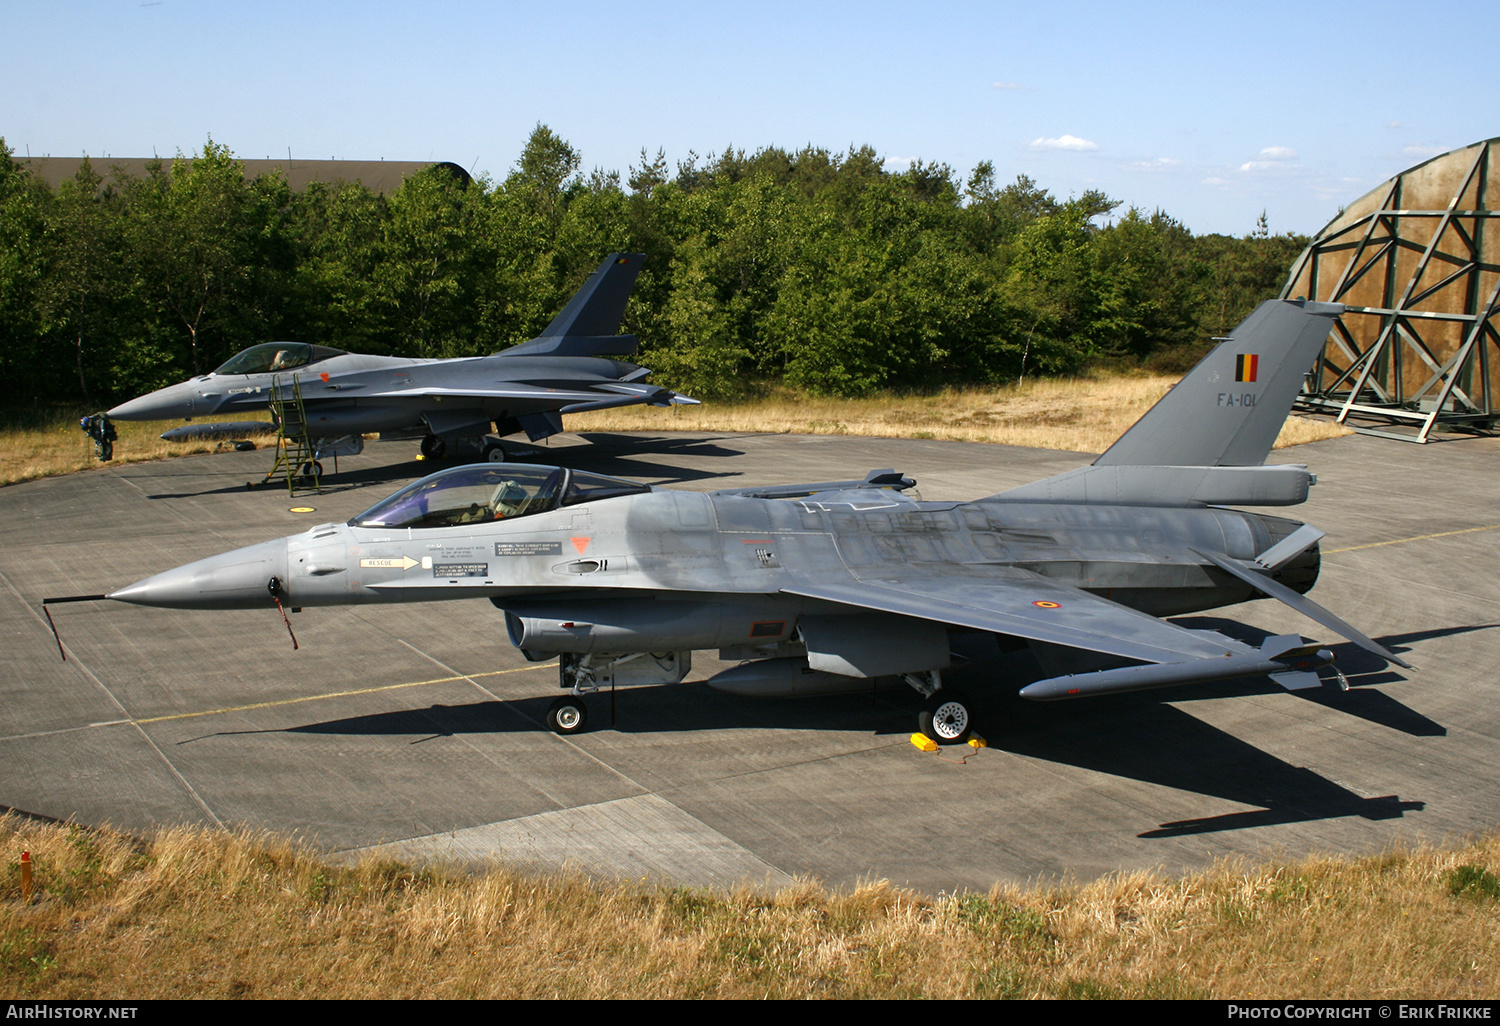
{"x": 313, "y": 469}
{"x": 494, "y": 452}
{"x": 433, "y": 447}
{"x": 568, "y": 715}
{"x": 945, "y": 718}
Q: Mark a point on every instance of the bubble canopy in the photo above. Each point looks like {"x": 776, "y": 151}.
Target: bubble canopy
{"x": 486, "y": 492}
{"x": 275, "y": 356}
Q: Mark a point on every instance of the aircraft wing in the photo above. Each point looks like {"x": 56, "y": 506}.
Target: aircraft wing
{"x": 568, "y": 400}
{"x": 506, "y": 390}
{"x": 1010, "y": 600}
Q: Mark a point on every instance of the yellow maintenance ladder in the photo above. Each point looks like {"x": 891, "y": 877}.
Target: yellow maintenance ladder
{"x": 294, "y": 448}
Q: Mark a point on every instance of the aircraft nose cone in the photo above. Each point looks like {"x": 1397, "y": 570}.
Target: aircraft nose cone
{"x": 135, "y": 409}
{"x": 233, "y": 580}
{"x": 169, "y": 403}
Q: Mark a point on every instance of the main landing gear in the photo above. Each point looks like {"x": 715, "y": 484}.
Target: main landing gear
{"x": 945, "y": 714}
{"x": 945, "y": 718}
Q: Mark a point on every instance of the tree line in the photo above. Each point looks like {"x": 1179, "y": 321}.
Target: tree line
{"x": 823, "y": 270}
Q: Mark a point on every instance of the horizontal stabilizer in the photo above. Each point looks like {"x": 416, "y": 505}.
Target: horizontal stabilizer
{"x": 631, "y": 395}
{"x": 1302, "y": 604}
{"x": 1289, "y": 548}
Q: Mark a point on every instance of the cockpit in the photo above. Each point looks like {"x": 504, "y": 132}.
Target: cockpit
{"x": 269, "y": 357}
{"x": 486, "y": 492}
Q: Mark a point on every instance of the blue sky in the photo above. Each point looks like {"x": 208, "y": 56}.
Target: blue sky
{"x": 1212, "y": 112}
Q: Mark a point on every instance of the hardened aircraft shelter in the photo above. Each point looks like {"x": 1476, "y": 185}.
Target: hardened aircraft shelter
{"x": 1417, "y": 263}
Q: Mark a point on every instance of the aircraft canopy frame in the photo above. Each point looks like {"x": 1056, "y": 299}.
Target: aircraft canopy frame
{"x": 481, "y": 492}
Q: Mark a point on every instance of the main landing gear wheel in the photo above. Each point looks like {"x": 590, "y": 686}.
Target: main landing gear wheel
{"x": 945, "y": 718}
{"x": 494, "y": 453}
{"x": 567, "y": 715}
{"x": 433, "y": 447}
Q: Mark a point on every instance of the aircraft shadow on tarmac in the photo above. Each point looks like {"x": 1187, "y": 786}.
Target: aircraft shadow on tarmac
{"x": 1152, "y": 741}
{"x": 614, "y": 455}
{"x": 627, "y": 456}
{"x": 1138, "y": 737}
{"x": 1361, "y": 669}
{"x": 343, "y": 481}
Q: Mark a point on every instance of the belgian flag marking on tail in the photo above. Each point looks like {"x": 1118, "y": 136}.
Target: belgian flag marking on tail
{"x": 1245, "y": 366}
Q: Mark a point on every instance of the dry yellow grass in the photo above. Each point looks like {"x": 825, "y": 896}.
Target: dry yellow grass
{"x": 1078, "y": 414}
{"x": 56, "y": 445}
{"x": 197, "y": 914}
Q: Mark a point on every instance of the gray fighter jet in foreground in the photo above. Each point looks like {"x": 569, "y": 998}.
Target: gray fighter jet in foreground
{"x": 527, "y": 387}
{"x": 817, "y": 587}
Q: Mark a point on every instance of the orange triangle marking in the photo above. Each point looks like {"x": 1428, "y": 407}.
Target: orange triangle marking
{"x": 580, "y": 544}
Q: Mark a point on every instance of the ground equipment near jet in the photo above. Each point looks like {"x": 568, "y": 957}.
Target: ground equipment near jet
{"x": 98, "y": 427}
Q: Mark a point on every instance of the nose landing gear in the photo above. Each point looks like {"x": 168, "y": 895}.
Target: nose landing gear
{"x": 567, "y": 715}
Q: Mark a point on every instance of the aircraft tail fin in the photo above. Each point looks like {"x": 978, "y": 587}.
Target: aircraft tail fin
{"x": 1227, "y": 411}
{"x": 592, "y": 316}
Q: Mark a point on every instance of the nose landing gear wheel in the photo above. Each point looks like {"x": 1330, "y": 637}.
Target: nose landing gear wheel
{"x": 945, "y": 718}
{"x": 433, "y": 447}
{"x": 567, "y": 715}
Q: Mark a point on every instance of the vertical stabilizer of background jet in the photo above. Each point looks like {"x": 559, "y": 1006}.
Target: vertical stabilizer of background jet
{"x": 596, "y": 309}
{"x": 587, "y": 326}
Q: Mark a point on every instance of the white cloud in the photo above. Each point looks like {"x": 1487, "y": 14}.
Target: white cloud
{"x": 1394, "y": 124}
{"x": 1006, "y": 85}
{"x": 1157, "y": 164}
{"x": 904, "y": 163}
{"x": 1278, "y": 153}
{"x": 1064, "y": 142}
{"x": 1422, "y": 151}
{"x": 1251, "y": 167}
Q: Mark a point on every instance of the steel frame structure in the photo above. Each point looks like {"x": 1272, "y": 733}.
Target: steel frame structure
{"x": 1421, "y": 299}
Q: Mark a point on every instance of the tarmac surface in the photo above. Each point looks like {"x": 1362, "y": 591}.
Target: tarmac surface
{"x": 419, "y": 731}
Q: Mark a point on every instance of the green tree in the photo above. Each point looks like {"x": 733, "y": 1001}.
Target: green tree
{"x": 24, "y": 367}
{"x": 336, "y": 232}
{"x": 1240, "y": 274}
{"x": 544, "y": 172}
{"x": 1146, "y": 284}
{"x": 194, "y": 233}
{"x": 80, "y": 282}
{"x": 424, "y": 277}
